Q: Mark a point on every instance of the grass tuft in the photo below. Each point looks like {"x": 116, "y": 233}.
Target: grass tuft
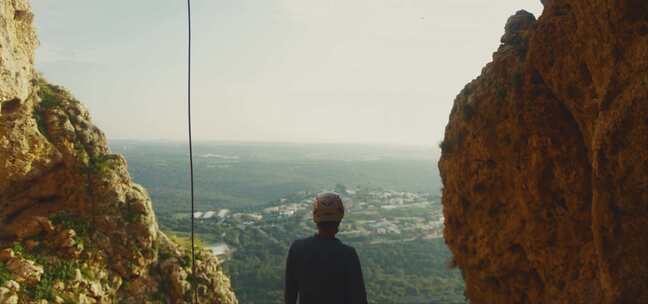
{"x": 71, "y": 221}
{"x": 62, "y": 270}
{"x": 5, "y": 275}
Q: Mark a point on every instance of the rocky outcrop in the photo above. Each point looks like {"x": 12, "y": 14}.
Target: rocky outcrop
{"x": 74, "y": 228}
{"x": 544, "y": 163}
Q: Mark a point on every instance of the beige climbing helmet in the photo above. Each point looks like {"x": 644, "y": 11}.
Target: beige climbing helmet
{"x": 328, "y": 207}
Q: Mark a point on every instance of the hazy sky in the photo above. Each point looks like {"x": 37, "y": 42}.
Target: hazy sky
{"x": 363, "y": 71}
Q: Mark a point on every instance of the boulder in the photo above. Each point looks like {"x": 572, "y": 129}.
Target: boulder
{"x": 25, "y": 271}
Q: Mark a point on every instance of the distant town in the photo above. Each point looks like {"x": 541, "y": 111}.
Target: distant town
{"x": 379, "y": 216}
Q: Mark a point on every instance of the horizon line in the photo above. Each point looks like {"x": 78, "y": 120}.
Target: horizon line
{"x": 252, "y": 142}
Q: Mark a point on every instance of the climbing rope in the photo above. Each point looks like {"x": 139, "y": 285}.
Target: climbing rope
{"x": 191, "y": 171}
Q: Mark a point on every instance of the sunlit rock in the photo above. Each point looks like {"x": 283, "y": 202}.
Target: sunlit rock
{"x": 79, "y": 229}
{"x": 544, "y": 160}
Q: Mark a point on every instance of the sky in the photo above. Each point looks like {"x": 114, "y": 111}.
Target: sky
{"x": 335, "y": 71}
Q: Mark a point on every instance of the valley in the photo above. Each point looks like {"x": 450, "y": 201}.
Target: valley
{"x": 254, "y": 200}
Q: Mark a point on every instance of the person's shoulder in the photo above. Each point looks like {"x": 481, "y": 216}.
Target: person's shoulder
{"x": 348, "y": 248}
{"x": 349, "y": 254}
{"x": 301, "y": 242}
{"x": 307, "y": 239}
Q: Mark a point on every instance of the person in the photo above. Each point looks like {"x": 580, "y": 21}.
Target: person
{"x": 320, "y": 268}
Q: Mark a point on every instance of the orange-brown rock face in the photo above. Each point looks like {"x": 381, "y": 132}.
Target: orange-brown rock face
{"x": 74, "y": 227}
{"x": 545, "y": 160}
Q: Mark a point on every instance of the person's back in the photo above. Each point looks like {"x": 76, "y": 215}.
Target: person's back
{"x": 321, "y": 269}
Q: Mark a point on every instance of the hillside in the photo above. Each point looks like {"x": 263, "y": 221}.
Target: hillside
{"x": 544, "y": 161}
{"x": 74, "y": 228}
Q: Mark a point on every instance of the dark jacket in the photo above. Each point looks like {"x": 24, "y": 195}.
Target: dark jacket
{"x": 323, "y": 270}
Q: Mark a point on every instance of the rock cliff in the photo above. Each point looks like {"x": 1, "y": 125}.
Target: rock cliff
{"x": 545, "y": 162}
{"x": 74, "y": 228}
